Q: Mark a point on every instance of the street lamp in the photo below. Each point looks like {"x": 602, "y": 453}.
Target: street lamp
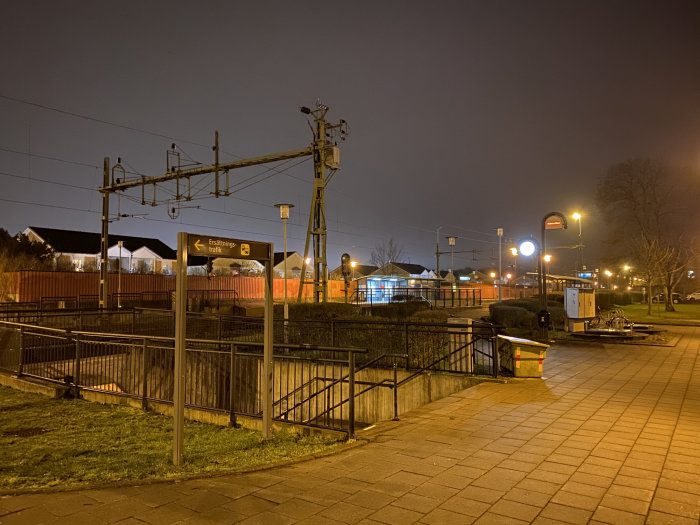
{"x": 119, "y": 279}
{"x": 499, "y": 232}
{"x": 547, "y": 259}
{"x": 609, "y": 274}
{"x": 452, "y": 241}
{"x": 284, "y": 215}
{"x": 577, "y": 217}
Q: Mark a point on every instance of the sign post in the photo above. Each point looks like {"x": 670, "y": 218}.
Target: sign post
{"x": 205, "y": 245}
{"x": 552, "y": 221}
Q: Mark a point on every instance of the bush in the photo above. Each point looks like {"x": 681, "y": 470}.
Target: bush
{"x": 513, "y": 316}
{"x": 529, "y": 305}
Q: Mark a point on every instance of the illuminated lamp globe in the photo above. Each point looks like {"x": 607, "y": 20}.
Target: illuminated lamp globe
{"x": 527, "y": 248}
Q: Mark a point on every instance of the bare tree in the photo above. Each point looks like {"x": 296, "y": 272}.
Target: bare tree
{"x": 648, "y": 214}
{"x": 385, "y": 253}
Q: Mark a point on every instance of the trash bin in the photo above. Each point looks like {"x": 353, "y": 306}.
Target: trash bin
{"x": 524, "y": 358}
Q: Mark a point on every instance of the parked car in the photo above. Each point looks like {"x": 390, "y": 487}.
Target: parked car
{"x": 695, "y": 296}
{"x": 661, "y": 298}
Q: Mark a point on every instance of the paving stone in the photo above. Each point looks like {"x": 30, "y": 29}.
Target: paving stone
{"x": 514, "y": 509}
{"x": 565, "y": 513}
{"x": 446, "y": 517}
{"x": 661, "y": 518}
{"x": 627, "y": 504}
{"x": 267, "y": 518}
{"x": 394, "y": 515}
{"x": 346, "y": 512}
{"x": 370, "y": 499}
{"x": 297, "y": 508}
{"x": 166, "y": 514}
{"x": 578, "y": 501}
{"x": 685, "y": 510}
{"x": 617, "y": 517}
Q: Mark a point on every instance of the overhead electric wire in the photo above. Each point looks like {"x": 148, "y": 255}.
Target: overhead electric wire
{"x": 34, "y": 179}
{"x": 176, "y": 140}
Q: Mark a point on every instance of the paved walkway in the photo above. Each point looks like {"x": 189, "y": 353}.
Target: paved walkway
{"x": 610, "y": 436}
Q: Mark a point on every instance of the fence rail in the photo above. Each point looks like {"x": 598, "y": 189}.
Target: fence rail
{"x": 131, "y": 353}
{"x": 435, "y": 297}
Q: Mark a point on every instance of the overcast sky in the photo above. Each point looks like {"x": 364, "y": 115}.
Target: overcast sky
{"x": 467, "y": 116}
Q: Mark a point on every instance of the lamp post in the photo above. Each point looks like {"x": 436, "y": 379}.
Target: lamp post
{"x": 552, "y": 221}
{"x": 284, "y": 215}
{"x": 547, "y": 259}
{"x": 119, "y": 278}
{"x": 452, "y": 241}
{"x": 499, "y": 232}
{"x": 514, "y": 253}
{"x": 577, "y": 217}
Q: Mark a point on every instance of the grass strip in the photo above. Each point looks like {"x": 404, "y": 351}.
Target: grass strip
{"x": 73, "y": 443}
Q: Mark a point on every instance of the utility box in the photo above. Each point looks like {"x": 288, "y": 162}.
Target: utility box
{"x": 461, "y": 340}
{"x": 524, "y": 358}
{"x": 579, "y": 304}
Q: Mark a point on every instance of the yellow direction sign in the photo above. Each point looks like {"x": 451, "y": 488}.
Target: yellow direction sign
{"x": 223, "y": 247}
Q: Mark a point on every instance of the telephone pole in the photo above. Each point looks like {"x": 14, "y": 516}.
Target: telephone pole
{"x": 326, "y": 155}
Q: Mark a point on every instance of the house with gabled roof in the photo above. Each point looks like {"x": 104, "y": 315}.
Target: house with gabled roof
{"x": 80, "y": 251}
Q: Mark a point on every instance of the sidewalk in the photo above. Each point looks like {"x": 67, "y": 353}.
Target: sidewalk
{"x": 609, "y": 436}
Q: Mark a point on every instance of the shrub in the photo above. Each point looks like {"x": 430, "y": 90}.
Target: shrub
{"x": 513, "y": 316}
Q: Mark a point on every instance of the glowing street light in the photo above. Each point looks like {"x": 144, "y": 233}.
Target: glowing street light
{"x": 578, "y": 218}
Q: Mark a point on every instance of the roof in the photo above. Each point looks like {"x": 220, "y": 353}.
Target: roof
{"x": 71, "y": 241}
{"x": 278, "y": 257}
{"x": 413, "y": 269}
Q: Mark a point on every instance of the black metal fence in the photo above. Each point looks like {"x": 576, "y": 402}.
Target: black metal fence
{"x": 435, "y": 297}
{"x": 313, "y": 387}
{"x": 131, "y": 353}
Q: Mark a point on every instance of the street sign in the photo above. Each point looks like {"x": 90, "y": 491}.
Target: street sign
{"x": 225, "y": 247}
{"x": 553, "y": 222}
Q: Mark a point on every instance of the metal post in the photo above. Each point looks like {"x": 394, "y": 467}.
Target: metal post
{"x": 496, "y": 357}
{"x": 144, "y": 385}
{"x": 543, "y": 278}
{"x": 351, "y": 394}
{"x": 119, "y": 279}
{"x": 267, "y": 351}
{"x": 180, "y": 348}
{"x": 104, "y": 240}
{"x": 76, "y": 367}
{"x": 500, "y": 265}
{"x": 232, "y": 388}
{"x": 396, "y": 395}
{"x": 20, "y": 368}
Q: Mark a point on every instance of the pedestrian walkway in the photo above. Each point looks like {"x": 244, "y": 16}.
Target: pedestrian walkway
{"x": 609, "y": 436}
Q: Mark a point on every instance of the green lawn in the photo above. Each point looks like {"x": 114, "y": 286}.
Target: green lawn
{"x": 684, "y": 313}
{"x": 68, "y": 443}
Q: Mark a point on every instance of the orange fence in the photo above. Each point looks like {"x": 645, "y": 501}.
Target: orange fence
{"x": 30, "y": 286}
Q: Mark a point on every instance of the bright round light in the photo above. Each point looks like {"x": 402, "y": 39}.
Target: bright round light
{"x": 576, "y": 216}
{"x": 527, "y": 248}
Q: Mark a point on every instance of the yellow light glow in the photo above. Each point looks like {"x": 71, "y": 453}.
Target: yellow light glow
{"x": 576, "y": 216}
{"x": 608, "y": 273}
{"x": 493, "y": 274}
{"x": 514, "y": 251}
{"x": 308, "y": 260}
{"x": 547, "y": 258}
{"x": 353, "y": 263}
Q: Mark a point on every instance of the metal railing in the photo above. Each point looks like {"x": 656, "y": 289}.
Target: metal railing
{"x": 434, "y": 297}
{"x": 130, "y": 352}
{"x": 220, "y": 376}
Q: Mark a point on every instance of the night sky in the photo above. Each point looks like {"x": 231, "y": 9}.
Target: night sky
{"x": 468, "y": 116}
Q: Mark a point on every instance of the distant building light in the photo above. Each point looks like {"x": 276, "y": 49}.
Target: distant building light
{"x": 465, "y": 278}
